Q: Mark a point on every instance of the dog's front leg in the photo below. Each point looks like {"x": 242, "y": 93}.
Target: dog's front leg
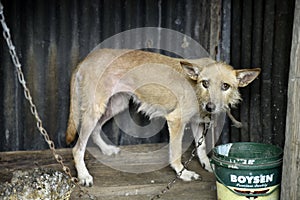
{"x": 201, "y": 150}
{"x": 176, "y": 129}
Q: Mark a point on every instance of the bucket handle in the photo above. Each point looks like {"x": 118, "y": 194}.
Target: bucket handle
{"x": 240, "y": 193}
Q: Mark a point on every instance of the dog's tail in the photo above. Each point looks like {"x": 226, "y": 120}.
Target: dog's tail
{"x": 71, "y": 130}
{"x": 73, "y": 121}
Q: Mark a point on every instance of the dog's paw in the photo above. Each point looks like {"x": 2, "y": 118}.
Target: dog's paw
{"x": 110, "y": 150}
{"x": 86, "y": 180}
{"x": 189, "y": 175}
{"x": 206, "y": 164}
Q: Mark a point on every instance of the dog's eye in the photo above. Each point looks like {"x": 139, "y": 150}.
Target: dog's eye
{"x": 205, "y": 83}
{"x": 225, "y": 86}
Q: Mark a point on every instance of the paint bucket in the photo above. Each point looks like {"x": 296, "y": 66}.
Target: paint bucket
{"x": 247, "y": 170}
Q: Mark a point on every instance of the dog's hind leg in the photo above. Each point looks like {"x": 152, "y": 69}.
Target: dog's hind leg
{"x": 116, "y": 104}
{"x": 87, "y": 126}
{"x": 97, "y": 139}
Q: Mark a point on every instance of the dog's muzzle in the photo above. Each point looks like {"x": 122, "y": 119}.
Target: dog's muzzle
{"x": 210, "y": 107}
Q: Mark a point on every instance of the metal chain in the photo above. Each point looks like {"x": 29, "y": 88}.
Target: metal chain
{"x": 185, "y": 164}
{"x": 39, "y": 124}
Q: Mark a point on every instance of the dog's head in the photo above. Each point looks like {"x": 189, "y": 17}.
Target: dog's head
{"x": 216, "y": 84}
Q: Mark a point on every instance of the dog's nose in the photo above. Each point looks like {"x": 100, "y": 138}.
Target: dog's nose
{"x": 210, "y": 107}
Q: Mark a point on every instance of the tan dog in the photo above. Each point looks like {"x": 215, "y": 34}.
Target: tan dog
{"x": 179, "y": 90}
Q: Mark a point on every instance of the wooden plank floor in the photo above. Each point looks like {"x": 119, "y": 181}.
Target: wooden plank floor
{"x": 114, "y": 184}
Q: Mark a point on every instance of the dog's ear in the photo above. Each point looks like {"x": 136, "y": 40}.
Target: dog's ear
{"x": 191, "y": 70}
{"x": 246, "y": 76}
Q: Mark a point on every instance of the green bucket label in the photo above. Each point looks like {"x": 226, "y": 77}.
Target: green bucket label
{"x": 251, "y": 181}
{"x": 248, "y": 178}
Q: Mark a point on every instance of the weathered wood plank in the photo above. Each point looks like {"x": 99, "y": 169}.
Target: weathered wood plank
{"x": 291, "y": 168}
{"x": 110, "y": 183}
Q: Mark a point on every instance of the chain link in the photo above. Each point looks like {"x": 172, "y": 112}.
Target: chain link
{"x": 185, "y": 164}
{"x": 33, "y": 109}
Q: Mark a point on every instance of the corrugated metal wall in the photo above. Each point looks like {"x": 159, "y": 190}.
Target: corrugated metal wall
{"x": 260, "y": 35}
{"x": 51, "y": 37}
